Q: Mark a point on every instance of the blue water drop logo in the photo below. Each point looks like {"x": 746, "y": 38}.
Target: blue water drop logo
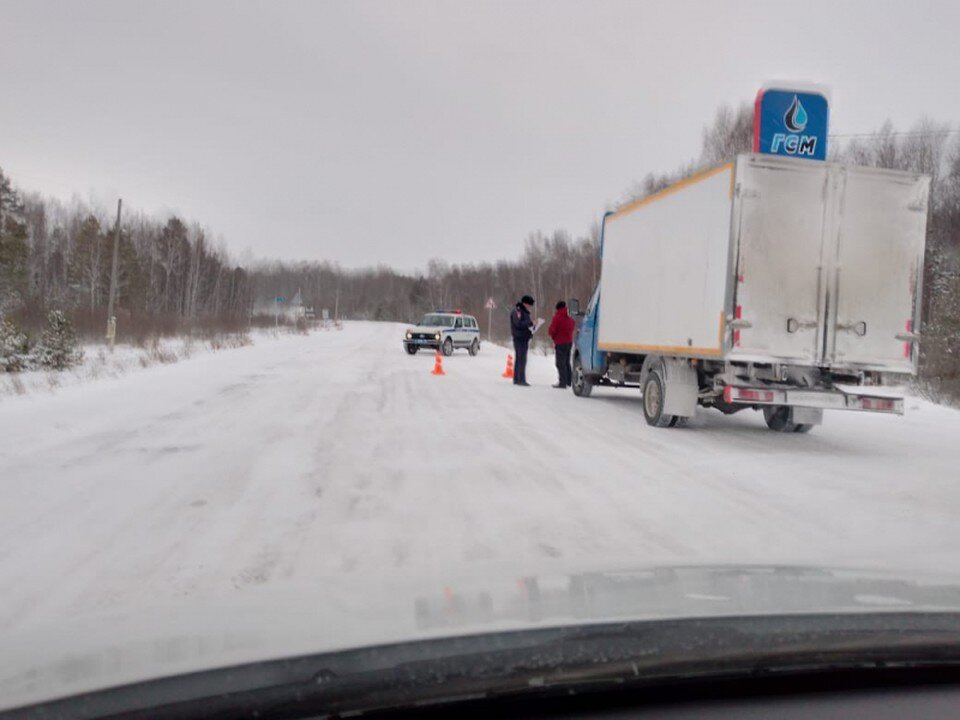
{"x": 796, "y": 117}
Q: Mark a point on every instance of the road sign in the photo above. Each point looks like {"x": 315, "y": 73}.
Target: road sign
{"x": 791, "y": 122}
{"x": 281, "y": 299}
{"x": 490, "y": 305}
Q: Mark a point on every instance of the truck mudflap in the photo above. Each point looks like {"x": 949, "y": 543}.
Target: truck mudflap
{"x": 863, "y": 399}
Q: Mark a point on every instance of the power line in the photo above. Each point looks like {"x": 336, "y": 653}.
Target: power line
{"x": 898, "y": 133}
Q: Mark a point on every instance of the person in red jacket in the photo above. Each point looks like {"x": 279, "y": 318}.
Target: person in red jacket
{"x": 561, "y": 330}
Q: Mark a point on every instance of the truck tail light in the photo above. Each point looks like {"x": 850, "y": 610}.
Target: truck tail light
{"x": 756, "y": 395}
{"x": 908, "y": 346}
{"x": 878, "y": 404}
{"x": 737, "y": 314}
{"x": 733, "y": 394}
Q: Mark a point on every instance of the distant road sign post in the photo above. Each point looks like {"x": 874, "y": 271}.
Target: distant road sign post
{"x": 276, "y": 317}
{"x": 490, "y": 305}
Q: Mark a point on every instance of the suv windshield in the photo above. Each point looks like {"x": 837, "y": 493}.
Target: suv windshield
{"x": 436, "y": 321}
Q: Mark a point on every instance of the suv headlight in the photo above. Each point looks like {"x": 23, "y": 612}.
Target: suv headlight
{"x": 409, "y": 334}
{"x": 437, "y": 336}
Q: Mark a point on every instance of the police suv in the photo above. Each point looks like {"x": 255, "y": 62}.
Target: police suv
{"x": 446, "y": 330}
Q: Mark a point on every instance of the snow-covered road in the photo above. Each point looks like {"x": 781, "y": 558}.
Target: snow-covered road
{"x": 310, "y": 457}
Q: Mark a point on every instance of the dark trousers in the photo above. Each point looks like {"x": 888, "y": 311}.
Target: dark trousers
{"x": 563, "y": 364}
{"x": 520, "y": 346}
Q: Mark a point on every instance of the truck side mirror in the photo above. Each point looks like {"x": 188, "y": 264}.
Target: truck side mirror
{"x": 574, "y": 306}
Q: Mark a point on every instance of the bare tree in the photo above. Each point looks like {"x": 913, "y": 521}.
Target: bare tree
{"x": 730, "y": 135}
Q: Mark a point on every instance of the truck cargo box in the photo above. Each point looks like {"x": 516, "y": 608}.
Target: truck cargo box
{"x": 770, "y": 260}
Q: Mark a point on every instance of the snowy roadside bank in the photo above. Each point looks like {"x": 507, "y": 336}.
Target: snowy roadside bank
{"x": 100, "y": 364}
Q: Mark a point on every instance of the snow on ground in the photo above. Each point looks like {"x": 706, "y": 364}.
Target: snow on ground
{"x": 292, "y": 462}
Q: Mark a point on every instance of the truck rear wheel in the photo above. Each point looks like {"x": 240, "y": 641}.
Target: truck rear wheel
{"x": 653, "y": 397}
{"x": 582, "y": 387}
{"x": 777, "y": 418}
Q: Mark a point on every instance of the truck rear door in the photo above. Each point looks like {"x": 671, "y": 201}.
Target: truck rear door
{"x": 829, "y": 261}
{"x": 878, "y": 269}
{"x": 779, "y": 222}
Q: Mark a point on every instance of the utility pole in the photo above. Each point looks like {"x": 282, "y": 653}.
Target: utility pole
{"x": 111, "y": 318}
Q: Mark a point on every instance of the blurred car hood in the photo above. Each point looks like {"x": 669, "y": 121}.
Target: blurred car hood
{"x": 83, "y": 654}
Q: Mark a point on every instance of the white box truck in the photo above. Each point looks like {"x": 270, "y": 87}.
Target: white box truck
{"x": 783, "y": 285}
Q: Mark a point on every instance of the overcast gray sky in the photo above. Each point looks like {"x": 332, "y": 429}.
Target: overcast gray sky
{"x": 366, "y": 132}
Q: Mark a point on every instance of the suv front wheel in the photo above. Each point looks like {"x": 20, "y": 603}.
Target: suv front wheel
{"x": 447, "y": 347}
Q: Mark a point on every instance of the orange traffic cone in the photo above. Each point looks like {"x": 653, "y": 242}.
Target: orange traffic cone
{"x": 508, "y": 373}
{"x": 438, "y": 365}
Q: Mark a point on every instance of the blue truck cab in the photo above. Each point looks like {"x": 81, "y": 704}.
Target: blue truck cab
{"x": 589, "y": 363}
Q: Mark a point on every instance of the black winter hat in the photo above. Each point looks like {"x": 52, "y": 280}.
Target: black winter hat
{"x": 527, "y": 300}
{"x": 561, "y": 305}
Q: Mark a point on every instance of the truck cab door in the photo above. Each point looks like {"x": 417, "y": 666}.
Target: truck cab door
{"x": 586, "y": 339}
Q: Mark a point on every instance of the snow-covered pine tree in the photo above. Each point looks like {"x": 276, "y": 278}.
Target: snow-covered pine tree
{"x": 13, "y": 347}
{"x": 58, "y": 348}
{"x": 13, "y": 246}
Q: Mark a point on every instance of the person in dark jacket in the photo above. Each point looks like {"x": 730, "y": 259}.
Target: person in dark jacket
{"x": 521, "y": 327}
{"x": 561, "y": 330}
